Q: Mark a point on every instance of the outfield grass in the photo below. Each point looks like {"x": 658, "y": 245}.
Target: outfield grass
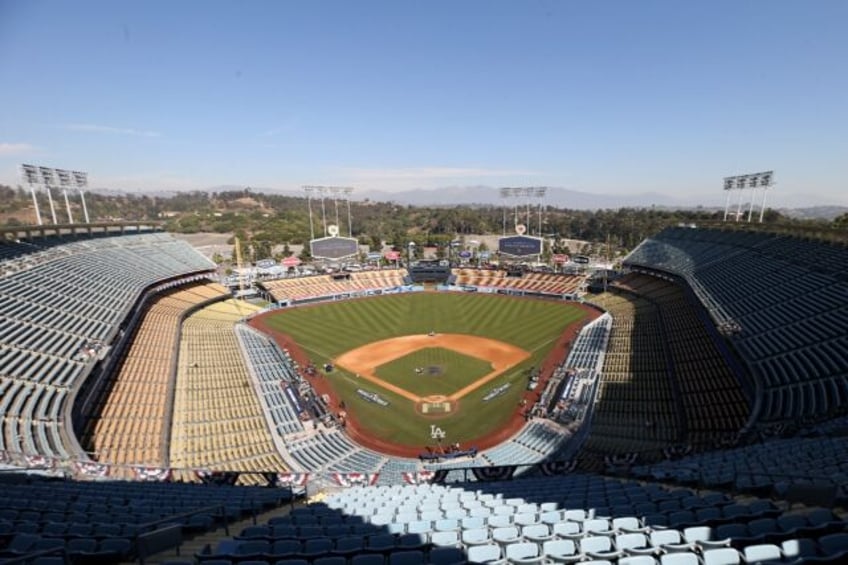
{"x": 327, "y": 330}
{"x": 455, "y": 371}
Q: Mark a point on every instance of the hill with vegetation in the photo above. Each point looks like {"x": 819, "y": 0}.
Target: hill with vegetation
{"x": 270, "y": 222}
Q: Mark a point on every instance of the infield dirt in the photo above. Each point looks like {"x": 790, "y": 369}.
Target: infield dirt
{"x": 364, "y": 360}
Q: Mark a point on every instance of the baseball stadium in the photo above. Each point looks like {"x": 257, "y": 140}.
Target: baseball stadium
{"x": 690, "y": 410}
{"x": 380, "y": 282}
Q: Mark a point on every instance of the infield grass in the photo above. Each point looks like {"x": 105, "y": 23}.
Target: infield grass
{"x": 451, "y": 371}
{"x": 324, "y": 331}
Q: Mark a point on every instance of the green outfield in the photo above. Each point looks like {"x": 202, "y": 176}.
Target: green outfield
{"x": 433, "y": 370}
{"x": 327, "y": 330}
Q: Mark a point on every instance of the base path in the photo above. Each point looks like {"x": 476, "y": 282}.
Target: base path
{"x": 364, "y": 360}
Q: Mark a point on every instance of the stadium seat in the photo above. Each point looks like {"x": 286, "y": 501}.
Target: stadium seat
{"x": 523, "y": 552}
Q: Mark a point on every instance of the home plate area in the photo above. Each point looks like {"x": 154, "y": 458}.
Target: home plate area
{"x": 436, "y": 405}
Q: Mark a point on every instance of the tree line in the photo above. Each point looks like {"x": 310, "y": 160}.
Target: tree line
{"x": 265, "y": 221}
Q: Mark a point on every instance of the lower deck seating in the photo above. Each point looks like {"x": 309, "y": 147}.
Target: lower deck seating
{"x": 129, "y": 426}
{"x": 218, "y": 422}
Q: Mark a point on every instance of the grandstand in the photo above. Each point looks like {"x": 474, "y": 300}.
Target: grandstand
{"x": 719, "y": 364}
{"x": 779, "y": 301}
{"x": 530, "y": 283}
{"x": 329, "y": 287}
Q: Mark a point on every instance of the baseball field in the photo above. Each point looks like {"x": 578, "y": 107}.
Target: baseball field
{"x": 402, "y": 364}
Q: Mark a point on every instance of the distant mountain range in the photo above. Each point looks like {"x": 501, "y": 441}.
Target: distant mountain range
{"x": 796, "y": 206}
{"x": 486, "y": 195}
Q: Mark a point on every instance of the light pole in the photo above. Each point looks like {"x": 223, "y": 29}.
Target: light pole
{"x": 539, "y": 192}
{"x": 47, "y": 180}
{"x": 308, "y": 190}
{"x": 347, "y": 191}
{"x": 30, "y": 173}
{"x": 326, "y": 191}
{"x": 81, "y": 180}
{"x": 65, "y": 182}
{"x": 410, "y": 251}
{"x": 752, "y": 181}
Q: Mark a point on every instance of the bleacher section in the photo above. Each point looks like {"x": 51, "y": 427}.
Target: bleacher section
{"x": 274, "y": 373}
{"x": 712, "y": 395}
{"x": 60, "y": 308}
{"x": 636, "y": 409}
{"x": 782, "y": 303}
{"x": 664, "y": 379}
{"x": 293, "y": 290}
{"x": 571, "y": 393}
{"x": 775, "y": 467}
{"x": 218, "y": 422}
{"x": 530, "y": 282}
{"x": 299, "y": 289}
{"x": 109, "y": 522}
{"x": 558, "y": 519}
{"x": 128, "y": 428}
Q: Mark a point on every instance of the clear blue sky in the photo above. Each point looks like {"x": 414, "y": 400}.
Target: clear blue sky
{"x": 600, "y": 96}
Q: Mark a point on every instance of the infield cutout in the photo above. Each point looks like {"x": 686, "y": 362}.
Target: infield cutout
{"x": 363, "y": 362}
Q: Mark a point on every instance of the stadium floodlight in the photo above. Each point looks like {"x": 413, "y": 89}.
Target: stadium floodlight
{"x": 81, "y": 180}
{"x": 506, "y": 194}
{"x": 47, "y": 178}
{"x": 30, "y": 174}
{"x": 64, "y": 182}
{"x": 336, "y": 191}
{"x": 512, "y": 192}
{"x": 753, "y": 182}
{"x": 766, "y": 182}
{"x": 309, "y": 190}
{"x": 348, "y": 190}
{"x": 326, "y": 191}
{"x": 539, "y": 192}
{"x": 321, "y": 191}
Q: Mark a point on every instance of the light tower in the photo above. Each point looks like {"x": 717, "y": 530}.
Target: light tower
{"x": 766, "y": 182}
{"x": 348, "y": 190}
{"x": 65, "y": 181}
{"x": 309, "y": 190}
{"x": 81, "y": 181}
{"x": 336, "y": 191}
{"x": 325, "y": 191}
{"x": 47, "y": 179}
{"x": 539, "y": 192}
{"x": 30, "y": 174}
{"x": 753, "y": 182}
{"x": 506, "y": 194}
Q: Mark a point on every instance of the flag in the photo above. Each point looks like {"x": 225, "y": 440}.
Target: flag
{"x": 91, "y": 468}
{"x": 152, "y": 474}
{"x": 356, "y": 479}
{"x": 292, "y": 479}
